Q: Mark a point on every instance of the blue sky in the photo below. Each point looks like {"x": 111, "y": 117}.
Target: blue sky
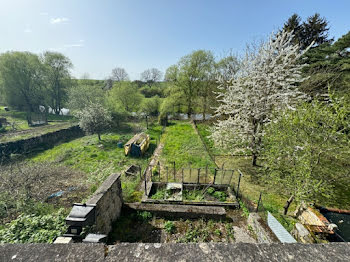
{"x": 139, "y": 34}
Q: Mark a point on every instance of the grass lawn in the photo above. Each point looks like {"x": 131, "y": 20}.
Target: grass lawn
{"x": 183, "y": 145}
{"x": 99, "y": 159}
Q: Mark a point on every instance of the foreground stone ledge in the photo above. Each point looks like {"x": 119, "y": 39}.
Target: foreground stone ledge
{"x": 176, "y": 252}
{"x": 52, "y": 252}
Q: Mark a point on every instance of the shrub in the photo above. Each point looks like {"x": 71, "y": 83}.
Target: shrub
{"x": 170, "y": 227}
{"x": 144, "y": 215}
{"x": 210, "y": 190}
{"x": 220, "y": 195}
{"x": 34, "y": 228}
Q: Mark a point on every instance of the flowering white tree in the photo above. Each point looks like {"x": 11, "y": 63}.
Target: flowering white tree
{"x": 265, "y": 82}
{"x": 94, "y": 119}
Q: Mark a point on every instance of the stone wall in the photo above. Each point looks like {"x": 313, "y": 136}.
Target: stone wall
{"x": 43, "y": 141}
{"x": 108, "y": 200}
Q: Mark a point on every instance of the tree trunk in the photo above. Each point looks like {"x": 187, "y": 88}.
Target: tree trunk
{"x": 254, "y": 158}
{"x": 99, "y": 136}
{"x": 286, "y": 206}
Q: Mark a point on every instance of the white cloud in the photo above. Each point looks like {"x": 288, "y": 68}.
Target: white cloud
{"x": 59, "y": 20}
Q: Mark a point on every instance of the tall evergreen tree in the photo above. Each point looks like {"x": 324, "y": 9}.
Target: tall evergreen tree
{"x": 315, "y": 29}
{"x": 329, "y": 66}
{"x": 294, "y": 24}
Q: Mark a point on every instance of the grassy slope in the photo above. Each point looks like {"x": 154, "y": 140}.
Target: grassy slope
{"x": 100, "y": 159}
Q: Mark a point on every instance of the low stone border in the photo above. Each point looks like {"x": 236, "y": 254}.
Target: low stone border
{"x": 180, "y": 211}
{"x": 46, "y": 140}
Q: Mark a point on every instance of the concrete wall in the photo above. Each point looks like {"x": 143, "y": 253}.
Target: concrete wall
{"x": 108, "y": 200}
{"x": 43, "y": 141}
{"x": 175, "y": 252}
{"x": 262, "y": 231}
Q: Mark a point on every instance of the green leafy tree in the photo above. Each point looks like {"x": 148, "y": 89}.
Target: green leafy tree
{"x": 308, "y": 148}
{"x": 127, "y": 97}
{"x": 94, "y": 119}
{"x": 22, "y": 75}
{"x": 151, "y": 106}
{"x": 193, "y": 79}
{"x": 58, "y": 78}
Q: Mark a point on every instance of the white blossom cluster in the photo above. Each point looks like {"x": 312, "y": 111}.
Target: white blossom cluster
{"x": 265, "y": 82}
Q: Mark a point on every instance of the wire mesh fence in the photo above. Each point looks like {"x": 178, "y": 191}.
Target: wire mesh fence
{"x": 203, "y": 175}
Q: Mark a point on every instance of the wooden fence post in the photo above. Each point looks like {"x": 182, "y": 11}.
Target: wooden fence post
{"x": 182, "y": 175}
{"x": 199, "y": 172}
{"x": 174, "y": 172}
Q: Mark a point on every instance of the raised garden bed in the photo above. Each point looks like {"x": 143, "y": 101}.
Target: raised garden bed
{"x": 191, "y": 194}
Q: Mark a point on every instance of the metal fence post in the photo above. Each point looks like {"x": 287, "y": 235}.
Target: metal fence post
{"x": 167, "y": 174}
{"x": 215, "y": 170}
{"x": 159, "y": 168}
{"x": 199, "y": 172}
{"x": 239, "y": 182}
{"x": 257, "y": 208}
{"x": 145, "y": 184}
{"x": 206, "y": 173}
{"x": 182, "y": 176}
{"x": 190, "y": 174}
{"x": 174, "y": 172}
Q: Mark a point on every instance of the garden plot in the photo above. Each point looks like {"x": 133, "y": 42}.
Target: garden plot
{"x": 192, "y": 194}
{"x": 144, "y": 227}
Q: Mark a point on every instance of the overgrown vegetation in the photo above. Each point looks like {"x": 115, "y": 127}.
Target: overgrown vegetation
{"x": 99, "y": 159}
{"x": 131, "y": 227}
